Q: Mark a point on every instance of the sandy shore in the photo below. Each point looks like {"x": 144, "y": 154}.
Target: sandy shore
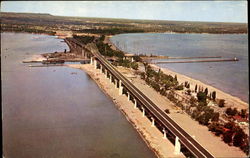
{"x": 230, "y": 101}
{"x": 151, "y": 135}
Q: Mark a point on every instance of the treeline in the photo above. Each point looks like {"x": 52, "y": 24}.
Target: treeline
{"x": 197, "y": 107}
{"x": 117, "y": 26}
{"x": 26, "y": 29}
{"x": 111, "y": 31}
{"x": 231, "y": 134}
{"x": 126, "y": 63}
{"x": 160, "y": 81}
{"x": 84, "y": 39}
{"x": 106, "y": 50}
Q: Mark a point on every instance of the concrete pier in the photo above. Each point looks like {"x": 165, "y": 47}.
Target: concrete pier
{"x": 110, "y": 78}
{"x": 115, "y": 83}
{"x": 91, "y": 60}
{"x": 120, "y": 87}
{"x": 135, "y": 105}
{"x": 100, "y": 68}
{"x": 153, "y": 122}
{"x": 143, "y": 112}
{"x": 177, "y": 147}
{"x": 164, "y": 134}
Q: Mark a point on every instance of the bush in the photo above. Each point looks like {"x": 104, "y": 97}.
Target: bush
{"x": 188, "y": 92}
{"x": 215, "y": 117}
{"x": 216, "y": 128}
{"x": 213, "y": 95}
{"x": 167, "y": 111}
{"x": 137, "y": 58}
{"x": 134, "y": 65}
{"x": 201, "y": 96}
{"x": 179, "y": 87}
{"x": 231, "y": 112}
{"x": 221, "y": 103}
{"x": 239, "y": 137}
{"x": 228, "y": 137}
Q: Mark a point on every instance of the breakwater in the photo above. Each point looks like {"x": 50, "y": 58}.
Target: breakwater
{"x": 196, "y": 61}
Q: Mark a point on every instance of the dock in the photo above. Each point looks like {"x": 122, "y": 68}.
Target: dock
{"x": 196, "y": 61}
{"x": 199, "y": 57}
{"x": 47, "y": 65}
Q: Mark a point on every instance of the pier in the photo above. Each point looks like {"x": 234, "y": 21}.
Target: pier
{"x": 196, "y": 61}
{"x": 194, "y": 57}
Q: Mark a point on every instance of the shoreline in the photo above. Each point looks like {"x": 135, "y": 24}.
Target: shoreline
{"x": 220, "y": 93}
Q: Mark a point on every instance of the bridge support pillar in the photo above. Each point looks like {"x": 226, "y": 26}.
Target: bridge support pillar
{"x": 106, "y": 73}
{"x": 135, "y": 105}
{"x": 100, "y": 68}
{"x": 110, "y": 78}
{"x": 164, "y": 134}
{"x": 115, "y": 83}
{"x": 91, "y": 60}
{"x": 177, "y": 147}
{"x": 128, "y": 96}
{"x": 95, "y": 64}
{"x": 153, "y": 122}
{"x": 120, "y": 87}
{"x": 143, "y": 112}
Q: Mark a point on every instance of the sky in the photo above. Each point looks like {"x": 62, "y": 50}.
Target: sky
{"x": 212, "y": 11}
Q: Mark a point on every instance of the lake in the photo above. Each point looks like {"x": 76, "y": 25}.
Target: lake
{"x": 54, "y": 113}
{"x": 230, "y": 77}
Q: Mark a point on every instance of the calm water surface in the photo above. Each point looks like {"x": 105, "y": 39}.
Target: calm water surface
{"x": 51, "y": 113}
{"x": 231, "y": 77}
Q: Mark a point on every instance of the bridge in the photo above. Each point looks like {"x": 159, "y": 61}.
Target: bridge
{"x": 158, "y": 117}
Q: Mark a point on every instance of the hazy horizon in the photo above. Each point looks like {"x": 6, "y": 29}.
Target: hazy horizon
{"x": 197, "y": 11}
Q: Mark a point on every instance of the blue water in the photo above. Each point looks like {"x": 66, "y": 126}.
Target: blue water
{"x": 231, "y": 77}
{"x": 51, "y": 112}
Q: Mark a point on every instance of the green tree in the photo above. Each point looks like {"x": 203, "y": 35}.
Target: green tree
{"x": 206, "y": 91}
{"x": 192, "y": 101}
{"x": 231, "y": 112}
{"x": 195, "y": 89}
{"x": 239, "y": 137}
{"x": 134, "y": 66}
{"x": 228, "y": 137}
{"x": 230, "y": 125}
{"x": 137, "y": 58}
{"x": 215, "y": 117}
{"x": 221, "y": 103}
{"x": 204, "y": 119}
{"x": 243, "y": 113}
{"x": 179, "y": 87}
{"x": 213, "y": 95}
{"x": 102, "y": 38}
{"x": 201, "y": 96}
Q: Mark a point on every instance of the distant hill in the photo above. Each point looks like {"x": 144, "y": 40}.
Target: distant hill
{"x": 18, "y": 21}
